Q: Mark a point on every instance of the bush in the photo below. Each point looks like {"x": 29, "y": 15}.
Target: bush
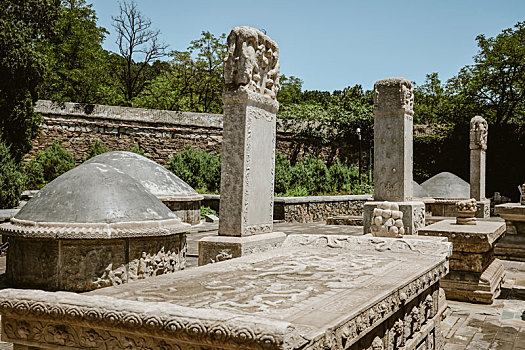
{"x": 205, "y": 210}
{"x": 97, "y": 148}
{"x": 11, "y": 179}
{"x": 312, "y": 175}
{"x": 199, "y": 169}
{"x": 343, "y": 176}
{"x": 47, "y": 166}
{"x": 283, "y": 174}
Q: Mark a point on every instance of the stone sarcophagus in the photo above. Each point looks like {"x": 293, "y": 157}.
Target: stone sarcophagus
{"x": 315, "y": 292}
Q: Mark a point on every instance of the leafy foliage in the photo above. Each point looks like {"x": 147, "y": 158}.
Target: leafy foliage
{"x": 79, "y": 64}
{"x": 23, "y": 25}
{"x": 97, "y": 148}
{"x": 48, "y": 165}
{"x": 205, "y": 210}
{"x": 11, "y": 179}
{"x": 199, "y": 169}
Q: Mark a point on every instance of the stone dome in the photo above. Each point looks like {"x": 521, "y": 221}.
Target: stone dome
{"x": 93, "y": 201}
{"x": 92, "y": 227}
{"x": 418, "y": 191}
{"x": 446, "y": 185}
{"x": 154, "y": 177}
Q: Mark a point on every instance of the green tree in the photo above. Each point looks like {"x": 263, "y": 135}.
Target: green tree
{"x": 194, "y": 82}
{"x": 79, "y": 64}
{"x": 11, "y": 179}
{"x": 139, "y": 46}
{"x": 290, "y": 90}
{"x": 23, "y": 25}
{"x": 494, "y": 86}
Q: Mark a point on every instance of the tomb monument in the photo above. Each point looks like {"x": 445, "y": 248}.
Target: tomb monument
{"x": 393, "y": 153}
{"x": 475, "y": 274}
{"x": 176, "y": 194}
{"x": 251, "y": 75}
{"x": 89, "y": 228}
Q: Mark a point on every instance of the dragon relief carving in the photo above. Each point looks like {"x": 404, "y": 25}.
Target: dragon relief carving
{"x": 479, "y": 130}
{"x": 252, "y": 62}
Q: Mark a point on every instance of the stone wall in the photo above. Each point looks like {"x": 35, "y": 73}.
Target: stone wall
{"x": 307, "y": 209}
{"x": 161, "y": 133}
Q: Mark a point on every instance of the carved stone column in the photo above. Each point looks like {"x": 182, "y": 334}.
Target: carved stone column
{"x": 478, "y": 150}
{"x": 393, "y": 149}
{"x": 251, "y": 74}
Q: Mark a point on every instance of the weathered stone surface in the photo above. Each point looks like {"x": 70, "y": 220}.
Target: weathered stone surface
{"x": 304, "y": 295}
{"x": 512, "y": 246}
{"x": 87, "y": 229}
{"x": 475, "y": 276}
{"x": 387, "y": 220}
{"x": 393, "y": 134}
{"x": 345, "y": 220}
{"x": 446, "y": 185}
{"x": 413, "y": 216}
{"x": 477, "y": 238}
{"x": 180, "y": 197}
{"x": 448, "y": 207}
{"x": 466, "y": 212}
{"x": 478, "y": 148}
{"x": 213, "y": 249}
{"x": 475, "y": 287}
{"x": 418, "y": 191}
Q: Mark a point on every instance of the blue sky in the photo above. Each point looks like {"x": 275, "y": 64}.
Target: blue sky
{"x": 332, "y": 44}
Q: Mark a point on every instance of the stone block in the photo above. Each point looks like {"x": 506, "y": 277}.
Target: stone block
{"x": 304, "y": 295}
{"x": 475, "y": 276}
{"x": 213, "y": 249}
{"x": 475, "y": 287}
{"x": 512, "y": 246}
{"x": 413, "y": 216}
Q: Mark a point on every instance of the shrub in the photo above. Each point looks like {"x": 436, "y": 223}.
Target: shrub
{"x": 312, "y": 175}
{"x": 136, "y": 149}
{"x": 201, "y": 170}
{"x": 11, "y": 179}
{"x": 48, "y": 165}
{"x": 283, "y": 174}
{"x": 205, "y": 210}
{"x": 97, "y": 148}
{"x": 343, "y": 176}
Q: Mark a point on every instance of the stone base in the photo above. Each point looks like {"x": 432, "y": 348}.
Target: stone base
{"x": 473, "y": 287}
{"x": 187, "y": 211}
{"x": 447, "y": 207}
{"x": 219, "y": 248}
{"x": 413, "y": 216}
{"x": 81, "y": 265}
{"x": 512, "y": 246}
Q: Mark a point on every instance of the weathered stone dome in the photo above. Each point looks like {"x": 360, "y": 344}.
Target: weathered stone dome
{"x": 92, "y": 227}
{"x": 446, "y": 185}
{"x": 154, "y": 177}
{"x": 180, "y": 197}
{"x": 418, "y": 191}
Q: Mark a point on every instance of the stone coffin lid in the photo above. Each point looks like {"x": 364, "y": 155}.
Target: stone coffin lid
{"x": 308, "y": 293}
{"x": 161, "y": 182}
{"x": 93, "y": 201}
{"x": 446, "y": 185}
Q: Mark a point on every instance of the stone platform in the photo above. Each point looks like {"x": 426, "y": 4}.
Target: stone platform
{"x": 512, "y": 246}
{"x": 316, "y": 292}
{"x": 475, "y": 275}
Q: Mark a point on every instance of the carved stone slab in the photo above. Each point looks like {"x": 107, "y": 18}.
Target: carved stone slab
{"x": 316, "y": 292}
{"x": 413, "y": 216}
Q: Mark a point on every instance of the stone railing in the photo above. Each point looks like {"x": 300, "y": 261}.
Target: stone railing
{"x": 307, "y": 209}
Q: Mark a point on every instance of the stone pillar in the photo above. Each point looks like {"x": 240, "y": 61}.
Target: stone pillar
{"x": 393, "y": 133}
{"x": 251, "y": 74}
{"x": 478, "y": 149}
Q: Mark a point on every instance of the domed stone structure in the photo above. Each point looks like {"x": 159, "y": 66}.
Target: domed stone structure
{"x": 89, "y": 228}
{"x": 446, "y": 185}
{"x": 418, "y": 191}
{"x": 180, "y": 197}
